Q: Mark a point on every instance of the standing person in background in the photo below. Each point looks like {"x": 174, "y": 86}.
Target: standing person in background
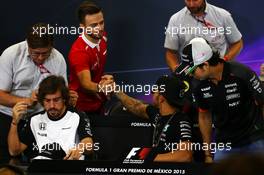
{"x": 201, "y": 19}
{"x": 261, "y": 76}
{"x": 87, "y": 59}
{"x": 22, "y": 67}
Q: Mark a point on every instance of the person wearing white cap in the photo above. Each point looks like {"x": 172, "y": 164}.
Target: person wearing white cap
{"x": 230, "y": 92}
{"x": 201, "y": 19}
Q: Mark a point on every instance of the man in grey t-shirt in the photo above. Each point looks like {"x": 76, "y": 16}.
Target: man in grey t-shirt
{"x": 201, "y": 19}
{"x": 261, "y": 76}
{"x": 22, "y": 67}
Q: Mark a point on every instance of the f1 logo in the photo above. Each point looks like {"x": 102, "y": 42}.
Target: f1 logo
{"x": 133, "y": 152}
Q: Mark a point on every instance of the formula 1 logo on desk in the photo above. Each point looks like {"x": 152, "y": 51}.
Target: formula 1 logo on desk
{"x": 137, "y": 155}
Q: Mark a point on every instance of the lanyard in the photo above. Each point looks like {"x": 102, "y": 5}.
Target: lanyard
{"x": 43, "y": 69}
{"x": 156, "y": 136}
{"x": 204, "y": 22}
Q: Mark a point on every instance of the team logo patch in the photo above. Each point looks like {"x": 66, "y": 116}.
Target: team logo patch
{"x": 42, "y": 126}
{"x": 166, "y": 128}
{"x": 187, "y": 86}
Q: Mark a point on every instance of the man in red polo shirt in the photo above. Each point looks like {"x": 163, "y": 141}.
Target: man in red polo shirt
{"x": 87, "y": 59}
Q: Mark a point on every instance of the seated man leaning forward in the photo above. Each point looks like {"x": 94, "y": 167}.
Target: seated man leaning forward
{"x": 55, "y": 133}
{"x": 171, "y": 126}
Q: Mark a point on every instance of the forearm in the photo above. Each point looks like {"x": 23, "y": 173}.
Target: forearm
{"x": 9, "y": 100}
{"x": 90, "y": 87}
{"x": 14, "y": 144}
{"x": 133, "y": 105}
{"x": 205, "y": 124}
{"x": 172, "y": 59}
{"x": 234, "y": 50}
{"x": 86, "y": 145}
{"x": 176, "y": 156}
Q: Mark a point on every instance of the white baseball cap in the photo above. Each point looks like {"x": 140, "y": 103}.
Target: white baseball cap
{"x": 195, "y": 53}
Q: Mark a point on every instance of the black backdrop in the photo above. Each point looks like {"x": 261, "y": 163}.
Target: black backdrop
{"x": 135, "y": 28}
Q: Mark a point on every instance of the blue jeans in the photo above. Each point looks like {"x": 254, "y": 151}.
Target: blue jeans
{"x": 255, "y": 147}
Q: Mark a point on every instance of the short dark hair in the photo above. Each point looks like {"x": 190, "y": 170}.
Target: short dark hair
{"x": 51, "y": 85}
{"x": 215, "y": 59}
{"x": 39, "y": 37}
{"x": 87, "y": 8}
